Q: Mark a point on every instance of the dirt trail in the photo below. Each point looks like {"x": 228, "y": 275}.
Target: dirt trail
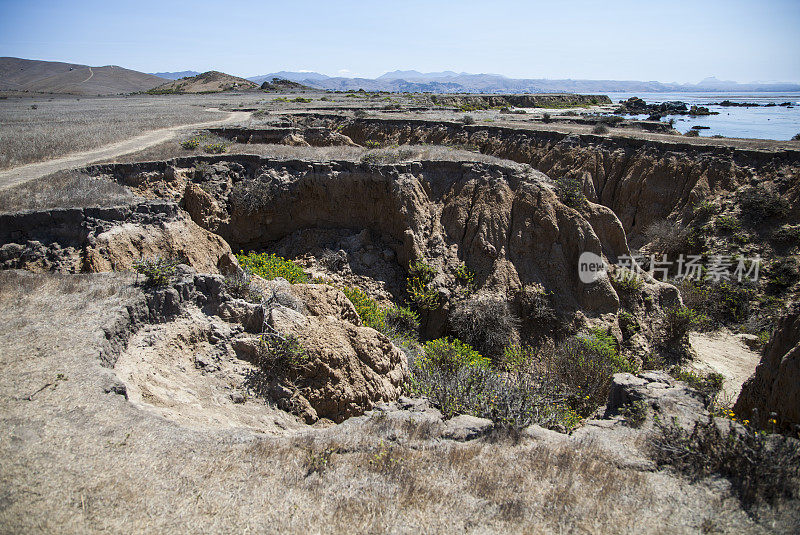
{"x": 724, "y": 353}
{"x": 24, "y": 173}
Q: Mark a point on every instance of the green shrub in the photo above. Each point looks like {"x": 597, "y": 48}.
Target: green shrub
{"x": 418, "y": 286}
{"x": 692, "y": 133}
{"x": 761, "y": 468}
{"x": 190, "y": 144}
{"x": 280, "y": 354}
{"x": 627, "y": 324}
{"x": 727, "y": 223}
{"x": 402, "y": 320}
{"x": 368, "y": 310}
{"x": 535, "y": 303}
{"x": 570, "y": 192}
{"x": 457, "y": 380}
{"x": 157, "y": 271}
{"x": 709, "y": 384}
{"x": 678, "y": 321}
{"x": 215, "y": 148}
{"x": 451, "y": 354}
{"x": 626, "y": 281}
{"x": 635, "y": 413}
{"x": 468, "y": 119}
{"x": 372, "y": 144}
{"x": 465, "y": 277}
{"x": 781, "y": 275}
{"x": 546, "y": 118}
{"x": 758, "y": 204}
{"x": 302, "y": 100}
{"x": 705, "y": 209}
{"x": 600, "y": 129}
{"x": 269, "y": 266}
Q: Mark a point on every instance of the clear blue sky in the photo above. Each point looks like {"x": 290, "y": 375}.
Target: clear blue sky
{"x": 681, "y": 41}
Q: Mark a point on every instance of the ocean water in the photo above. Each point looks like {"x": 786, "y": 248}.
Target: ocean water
{"x": 776, "y": 122}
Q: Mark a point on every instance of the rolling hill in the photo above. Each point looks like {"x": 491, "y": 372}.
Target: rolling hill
{"x": 175, "y": 75}
{"x": 56, "y": 77}
{"x": 207, "y": 82}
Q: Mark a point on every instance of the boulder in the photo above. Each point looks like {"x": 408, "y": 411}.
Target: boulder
{"x": 465, "y": 427}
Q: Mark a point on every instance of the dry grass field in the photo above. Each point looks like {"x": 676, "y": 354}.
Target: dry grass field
{"x": 39, "y": 129}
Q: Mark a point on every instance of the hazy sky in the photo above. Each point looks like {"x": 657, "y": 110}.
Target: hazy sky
{"x": 682, "y": 41}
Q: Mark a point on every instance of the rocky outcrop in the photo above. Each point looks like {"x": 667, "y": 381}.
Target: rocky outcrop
{"x": 342, "y": 368}
{"x": 551, "y": 100}
{"x": 773, "y": 392}
{"x": 106, "y": 239}
{"x": 507, "y": 226}
{"x": 641, "y": 180}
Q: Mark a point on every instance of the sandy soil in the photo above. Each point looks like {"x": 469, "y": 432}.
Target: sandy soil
{"x": 724, "y": 353}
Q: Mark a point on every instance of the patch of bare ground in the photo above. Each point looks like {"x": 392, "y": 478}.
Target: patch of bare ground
{"x": 77, "y": 456}
{"x": 724, "y": 353}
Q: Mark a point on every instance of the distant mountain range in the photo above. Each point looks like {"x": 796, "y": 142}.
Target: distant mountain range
{"x": 452, "y": 82}
{"x": 55, "y": 77}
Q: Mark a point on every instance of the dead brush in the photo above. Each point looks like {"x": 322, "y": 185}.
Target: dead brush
{"x": 762, "y": 468}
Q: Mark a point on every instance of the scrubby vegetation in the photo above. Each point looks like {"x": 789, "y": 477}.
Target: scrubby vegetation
{"x": 550, "y": 386}
{"x": 570, "y": 191}
{"x": 270, "y": 266}
{"x": 761, "y": 468}
{"x": 418, "y": 286}
{"x": 157, "y": 271}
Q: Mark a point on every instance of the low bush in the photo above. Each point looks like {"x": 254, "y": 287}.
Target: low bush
{"x": 190, "y": 144}
{"x": 552, "y": 386}
{"x": 546, "y": 118}
{"x": 708, "y": 384}
{"x": 692, "y": 133}
{"x": 468, "y": 119}
{"x": 270, "y": 266}
{"x": 758, "y": 204}
{"x": 782, "y": 275}
{"x": 402, "y": 321}
{"x": 627, "y": 282}
{"x": 796, "y": 137}
{"x": 667, "y": 237}
{"x": 761, "y": 468}
{"x": 420, "y": 293}
{"x": 535, "y": 303}
{"x": 627, "y": 324}
{"x": 485, "y": 323}
{"x": 634, "y": 414}
{"x": 368, "y": 310}
{"x": 570, "y": 192}
{"x": 280, "y": 355}
{"x": 466, "y": 278}
{"x": 705, "y": 209}
{"x": 727, "y": 223}
{"x": 215, "y": 148}
{"x": 239, "y": 285}
{"x": 157, "y": 271}
{"x": 678, "y": 321}
{"x": 600, "y": 129}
